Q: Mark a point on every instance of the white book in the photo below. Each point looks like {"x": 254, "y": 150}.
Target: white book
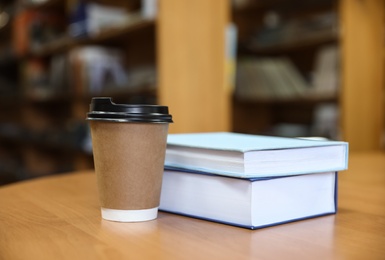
{"x": 249, "y": 203}
{"x": 246, "y": 156}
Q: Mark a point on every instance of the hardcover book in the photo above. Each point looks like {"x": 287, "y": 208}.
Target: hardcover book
{"x": 253, "y": 156}
{"x": 249, "y": 203}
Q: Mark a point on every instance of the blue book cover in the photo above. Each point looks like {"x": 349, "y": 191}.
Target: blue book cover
{"x": 247, "y": 156}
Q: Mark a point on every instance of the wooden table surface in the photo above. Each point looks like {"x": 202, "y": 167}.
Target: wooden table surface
{"x": 58, "y": 217}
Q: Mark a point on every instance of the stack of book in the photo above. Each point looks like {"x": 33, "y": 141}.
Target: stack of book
{"x": 249, "y": 180}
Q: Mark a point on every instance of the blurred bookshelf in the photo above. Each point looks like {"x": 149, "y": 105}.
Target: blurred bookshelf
{"x": 55, "y": 55}
{"x": 337, "y": 47}
{"x": 288, "y": 65}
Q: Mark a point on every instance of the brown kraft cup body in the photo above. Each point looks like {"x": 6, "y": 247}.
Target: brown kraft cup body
{"x": 129, "y": 145}
{"x": 129, "y": 159}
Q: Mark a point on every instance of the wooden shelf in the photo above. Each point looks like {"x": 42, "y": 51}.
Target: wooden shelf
{"x": 306, "y": 100}
{"x": 145, "y": 90}
{"x": 295, "y": 45}
{"x": 48, "y": 4}
{"x": 282, "y": 5}
{"x": 110, "y": 34}
{"x": 134, "y": 25}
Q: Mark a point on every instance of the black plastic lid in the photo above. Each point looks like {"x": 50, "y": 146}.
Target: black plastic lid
{"x": 102, "y": 108}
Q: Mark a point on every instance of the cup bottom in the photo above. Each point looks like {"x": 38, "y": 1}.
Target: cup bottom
{"x": 129, "y": 215}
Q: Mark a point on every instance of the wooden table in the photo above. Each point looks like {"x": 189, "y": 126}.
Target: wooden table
{"x": 58, "y": 217}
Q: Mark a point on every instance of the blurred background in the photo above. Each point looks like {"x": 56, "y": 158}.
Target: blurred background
{"x": 284, "y": 67}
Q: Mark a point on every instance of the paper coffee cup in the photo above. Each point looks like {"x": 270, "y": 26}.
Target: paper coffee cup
{"x": 129, "y": 144}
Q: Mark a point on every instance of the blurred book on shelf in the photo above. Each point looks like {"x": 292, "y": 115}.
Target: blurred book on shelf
{"x": 88, "y": 19}
{"x": 269, "y": 79}
{"x": 231, "y": 53}
{"x": 96, "y": 69}
{"x": 34, "y": 28}
{"x": 35, "y": 80}
{"x": 278, "y": 31}
{"x": 42, "y": 79}
{"x": 59, "y": 74}
{"x": 325, "y": 121}
{"x": 149, "y": 9}
{"x": 326, "y": 71}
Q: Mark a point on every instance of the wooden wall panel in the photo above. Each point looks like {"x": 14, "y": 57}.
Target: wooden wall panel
{"x": 362, "y": 97}
{"x": 191, "y": 64}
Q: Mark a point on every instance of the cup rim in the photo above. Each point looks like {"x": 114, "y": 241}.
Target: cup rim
{"x": 104, "y": 109}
